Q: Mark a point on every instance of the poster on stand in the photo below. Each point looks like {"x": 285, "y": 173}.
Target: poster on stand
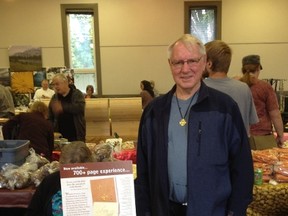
{"x": 103, "y": 188}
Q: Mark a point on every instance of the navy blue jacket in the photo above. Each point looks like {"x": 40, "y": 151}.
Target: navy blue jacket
{"x": 219, "y": 169}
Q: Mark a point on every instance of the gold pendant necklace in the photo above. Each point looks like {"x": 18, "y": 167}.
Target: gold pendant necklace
{"x": 183, "y": 122}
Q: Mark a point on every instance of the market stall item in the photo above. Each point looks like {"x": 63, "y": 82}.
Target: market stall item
{"x": 103, "y": 152}
{"x": 269, "y": 200}
{"x": 128, "y": 145}
{"x": 129, "y": 154}
{"x": 60, "y": 143}
{"x": 17, "y": 178}
{"x": 268, "y": 156}
{"x": 116, "y": 143}
{"x": 3, "y": 181}
{"x": 20, "y": 176}
{"x": 42, "y": 172}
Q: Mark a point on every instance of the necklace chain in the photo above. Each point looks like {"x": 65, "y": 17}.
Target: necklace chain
{"x": 183, "y": 122}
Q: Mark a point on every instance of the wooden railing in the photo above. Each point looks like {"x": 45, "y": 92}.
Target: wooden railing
{"x": 107, "y": 116}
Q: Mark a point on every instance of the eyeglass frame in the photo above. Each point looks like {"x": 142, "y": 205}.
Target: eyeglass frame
{"x": 190, "y": 62}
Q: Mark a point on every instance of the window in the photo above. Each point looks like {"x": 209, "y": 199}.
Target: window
{"x": 203, "y": 19}
{"x": 81, "y": 44}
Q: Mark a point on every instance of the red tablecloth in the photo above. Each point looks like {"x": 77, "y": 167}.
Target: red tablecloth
{"x": 19, "y": 198}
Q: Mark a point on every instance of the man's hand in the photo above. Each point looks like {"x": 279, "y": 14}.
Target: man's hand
{"x": 280, "y": 141}
{"x": 57, "y": 107}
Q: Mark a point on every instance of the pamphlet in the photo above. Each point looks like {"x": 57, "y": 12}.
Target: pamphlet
{"x": 98, "y": 189}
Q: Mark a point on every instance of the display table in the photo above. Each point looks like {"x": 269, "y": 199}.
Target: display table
{"x": 269, "y": 200}
{"x": 19, "y": 198}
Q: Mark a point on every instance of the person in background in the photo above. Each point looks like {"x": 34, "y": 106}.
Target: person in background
{"x": 89, "y": 92}
{"x": 193, "y": 153}
{"x": 265, "y": 100}
{"x": 7, "y": 108}
{"x": 71, "y": 81}
{"x": 32, "y": 126}
{"x": 47, "y": 198}
{"x": 67, "y": 110}
{"x": 44, "y": 92}
{"x": 147, "y": 93}
{"x": 219, "y": 56}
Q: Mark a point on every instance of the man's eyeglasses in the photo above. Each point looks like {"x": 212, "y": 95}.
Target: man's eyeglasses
{"x": 190, "y": 62}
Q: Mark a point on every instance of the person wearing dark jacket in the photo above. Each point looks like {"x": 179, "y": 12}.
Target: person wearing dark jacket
{"x": 32, "y": 126}
{"x": 67, "y": 110}
{"x": 193, "y": 153}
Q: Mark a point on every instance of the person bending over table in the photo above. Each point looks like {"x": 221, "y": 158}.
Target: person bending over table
{"x": 32, "y": 126}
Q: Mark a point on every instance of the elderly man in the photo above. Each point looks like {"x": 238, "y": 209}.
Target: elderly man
{"x": 193, "y": 153}
{"x": 67, "y": 110}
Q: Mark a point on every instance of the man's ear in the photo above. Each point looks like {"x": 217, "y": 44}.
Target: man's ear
{"x": 209, "y": 64}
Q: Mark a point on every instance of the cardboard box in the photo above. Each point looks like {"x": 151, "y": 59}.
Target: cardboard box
{"x": 13, "y": 151}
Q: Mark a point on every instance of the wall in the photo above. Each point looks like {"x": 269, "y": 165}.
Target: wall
{"x": 259, "y": 27}
{"x": 134, "y": 35}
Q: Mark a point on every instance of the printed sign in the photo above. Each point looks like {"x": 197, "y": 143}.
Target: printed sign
{"x": 102, "y": 188}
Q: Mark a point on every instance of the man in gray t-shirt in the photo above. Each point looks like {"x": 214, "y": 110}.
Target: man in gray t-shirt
{"x": 219, "y": 56}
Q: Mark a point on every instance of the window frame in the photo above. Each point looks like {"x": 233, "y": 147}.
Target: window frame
{"x": 93, "y": 8}
{"x": 217, "y": 5}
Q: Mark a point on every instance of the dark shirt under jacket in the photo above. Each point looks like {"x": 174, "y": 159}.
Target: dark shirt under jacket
{"x": 33, "y": 127}
{"x": 65, "y": 120}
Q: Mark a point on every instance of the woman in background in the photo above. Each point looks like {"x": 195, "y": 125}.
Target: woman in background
{"x": 265, "y": 100}
{"x": 32, "y": 126}
{"x": 89, "y": 92}
{"x": 147, "y": 93}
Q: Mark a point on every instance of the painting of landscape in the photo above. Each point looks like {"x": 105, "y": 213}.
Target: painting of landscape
{"x": 25, "y": 58}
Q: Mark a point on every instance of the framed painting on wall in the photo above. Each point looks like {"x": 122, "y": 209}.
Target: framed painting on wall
{"x": 38, "y": 76}
{"x": 25, "y": 58}
{"x": 22, "y": 82}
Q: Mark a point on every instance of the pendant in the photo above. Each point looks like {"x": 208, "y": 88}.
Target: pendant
{"x": 182, "y": 122}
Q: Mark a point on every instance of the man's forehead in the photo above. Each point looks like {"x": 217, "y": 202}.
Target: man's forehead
{"x": 57, "y": 80}
{"x": 192, "y": 52}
